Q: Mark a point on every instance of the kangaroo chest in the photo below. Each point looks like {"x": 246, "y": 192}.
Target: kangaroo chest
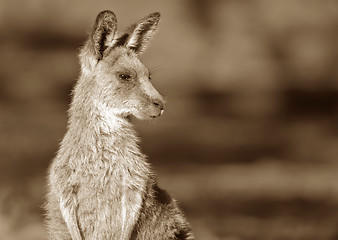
{"x": 109, "y": 200}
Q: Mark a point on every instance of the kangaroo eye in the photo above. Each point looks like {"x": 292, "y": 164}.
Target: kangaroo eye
{"x": 124, "y": 77}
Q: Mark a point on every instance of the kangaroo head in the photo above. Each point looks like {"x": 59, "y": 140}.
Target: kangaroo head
{"x": 116, "y": 77}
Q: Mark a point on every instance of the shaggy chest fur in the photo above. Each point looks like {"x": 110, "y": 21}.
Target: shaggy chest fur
{"x": 108, "y": 175}
{"x": 110, "y": 199}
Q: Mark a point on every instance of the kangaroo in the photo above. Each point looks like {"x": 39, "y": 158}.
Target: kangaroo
{"x": 100, "y": 185}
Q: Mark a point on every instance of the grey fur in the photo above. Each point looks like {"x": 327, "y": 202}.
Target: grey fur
{"x": 100, "y": 184}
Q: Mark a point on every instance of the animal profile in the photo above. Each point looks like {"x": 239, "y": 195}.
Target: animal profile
{"x": 100, "y": 185}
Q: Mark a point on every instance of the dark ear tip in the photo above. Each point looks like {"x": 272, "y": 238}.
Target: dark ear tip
{"x": 156, "y": 16}
{"x": 106, "y": 15}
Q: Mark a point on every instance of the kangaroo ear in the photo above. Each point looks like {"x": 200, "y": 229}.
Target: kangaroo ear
{"x": 103, "y": 33}
{"x": 138, "y": 35}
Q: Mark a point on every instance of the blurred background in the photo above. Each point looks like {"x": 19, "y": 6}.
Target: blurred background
{"x": 248, "y": 143}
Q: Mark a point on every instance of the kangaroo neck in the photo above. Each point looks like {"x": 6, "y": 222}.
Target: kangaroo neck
{"x": 92, "y": 123}
{"x": 101, "y": 123}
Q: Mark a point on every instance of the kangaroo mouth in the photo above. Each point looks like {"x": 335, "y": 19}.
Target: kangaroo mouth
{"x": 158, "y": 115}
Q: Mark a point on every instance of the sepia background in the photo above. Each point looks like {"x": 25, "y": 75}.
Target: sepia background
{"x": 248, "y": 143}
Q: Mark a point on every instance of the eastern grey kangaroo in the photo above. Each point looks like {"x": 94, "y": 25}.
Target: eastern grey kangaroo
{"x": 100, "y": 184}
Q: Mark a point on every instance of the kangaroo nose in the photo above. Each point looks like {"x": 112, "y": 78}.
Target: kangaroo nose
{"x": 159, "y": 104}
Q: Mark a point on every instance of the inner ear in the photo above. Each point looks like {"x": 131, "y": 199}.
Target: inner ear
{"x": 104, "y": 32}
{"x": 138, "y": 35}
